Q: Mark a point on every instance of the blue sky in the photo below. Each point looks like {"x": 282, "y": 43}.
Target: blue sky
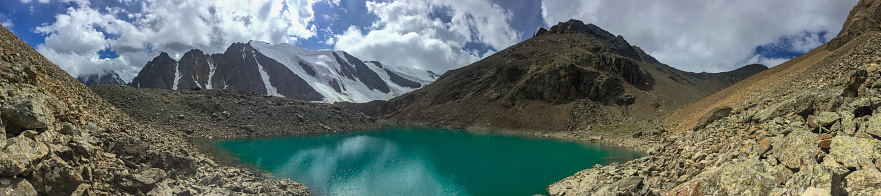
{"x": 88, "y": 36}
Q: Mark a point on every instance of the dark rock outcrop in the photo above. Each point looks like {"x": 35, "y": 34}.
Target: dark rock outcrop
{"x": 194, "y": 64}
{"x": 367, "y": 76}
{"x": 565, "y": 83}
{"x": 863, "y": 17}
{"x": 402, "y": 81}
{"x": 621, "y": 47}
{"x": 158, "y": 73}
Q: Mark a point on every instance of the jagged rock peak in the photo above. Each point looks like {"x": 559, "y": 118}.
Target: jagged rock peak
{"x": 163, "y": 55}
{"x": 575, "y": 26}
{"x": 194, "y": 52}
{"x": 865, "y": 16}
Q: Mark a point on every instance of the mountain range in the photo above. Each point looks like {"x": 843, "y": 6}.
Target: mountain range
{"x": 283, "y": 70}
{"x": 105, "y": 77}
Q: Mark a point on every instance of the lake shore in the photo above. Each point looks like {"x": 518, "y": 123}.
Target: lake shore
{"x": 206, "y": 115}
{"x": 644, "y": 142}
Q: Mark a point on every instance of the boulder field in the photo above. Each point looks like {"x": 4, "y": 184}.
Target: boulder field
{"x": 819, "y": 134}
{"x": 60, "y": 138}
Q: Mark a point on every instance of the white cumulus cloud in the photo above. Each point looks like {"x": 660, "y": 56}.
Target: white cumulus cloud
{"x": 699, "y": 35}
{"x": 6, "y": 22}
{"x": 172, "y": 26}
{"x": 409, "y": 33}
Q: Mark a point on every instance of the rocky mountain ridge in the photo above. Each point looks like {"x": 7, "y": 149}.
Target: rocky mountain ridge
{"x": 283, "y": 70}
{"x": 573, "y": 76}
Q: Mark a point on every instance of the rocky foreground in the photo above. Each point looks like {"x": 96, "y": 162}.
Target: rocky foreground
{"x": 60, "y": 138}
{"x": 819, "y": 134}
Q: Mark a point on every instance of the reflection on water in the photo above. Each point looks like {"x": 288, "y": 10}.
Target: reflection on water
{"x": 361, "y": 165}
{"x": 406, "y": 161}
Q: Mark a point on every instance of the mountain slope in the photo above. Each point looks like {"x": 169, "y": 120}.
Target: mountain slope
{"x": 60, "y": 138}
{"x": 810, "y": 126}
{"x": 108, "y": 77}
{"x": 283, "y": 70}
{"x": 571, "y": 76}
{"x": 818, "y": 67}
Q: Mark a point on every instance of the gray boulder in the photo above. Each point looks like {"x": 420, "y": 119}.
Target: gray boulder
{"x": 713, "y": 115}
{"x": 751, "y": 177}
{"x": 27, "y": 114}
{"x": 862, "y": 106}
{"x": 627, "y": 186}
{"x": 54, "y": 176}
{"x": 797, "y": 149}
{"x": 19, "y": 154}
{"x": 825, "y": 178}
{"x": 16, "y": 187}
{"x": 584, "y": 182}
{"x": 848, "y": 126}
{"x": 2, "y": 136}
{"x": 796, "y": 105}
{"x": 826, "y": 118}
{"x": 854, "y": 152}
{"x": 854, "y": 81}
{"x": 874, "y": 126}
{"x": 782, "y": 173}
{"x": 143, "y": 181}
{"x": 864, "y": 182}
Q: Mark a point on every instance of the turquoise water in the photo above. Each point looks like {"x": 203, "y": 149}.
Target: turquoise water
{"x": 421, "y": 161}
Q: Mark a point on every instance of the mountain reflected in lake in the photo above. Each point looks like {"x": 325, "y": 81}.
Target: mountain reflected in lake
{"x": 419, "y": 161}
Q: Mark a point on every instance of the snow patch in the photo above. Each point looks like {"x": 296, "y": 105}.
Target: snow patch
{"x": 210, "y": 73}
{"x": 176, "y": 75}
{"x": 327, "y": 69}
{"x": 270, "y": 90}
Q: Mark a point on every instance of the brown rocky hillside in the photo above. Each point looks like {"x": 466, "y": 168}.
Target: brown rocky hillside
{"x": 818, "y": 67}
{"x": 60, "y": 138}
{"x": 811, "y": 126}
{"x": 572, "y": 76}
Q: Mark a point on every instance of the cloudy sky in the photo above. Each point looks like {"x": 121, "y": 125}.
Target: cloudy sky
{"x": 88, "y": 36}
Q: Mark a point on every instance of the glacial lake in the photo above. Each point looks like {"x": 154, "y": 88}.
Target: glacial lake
{"x": 421, "y": 161}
